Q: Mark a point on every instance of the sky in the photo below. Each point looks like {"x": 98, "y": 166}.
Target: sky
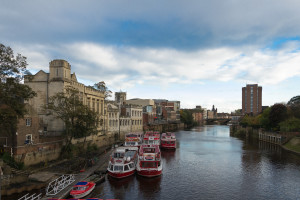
{"x": 197, "y": 52}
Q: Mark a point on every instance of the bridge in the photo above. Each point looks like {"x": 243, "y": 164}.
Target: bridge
{"x": 218, "y": 121}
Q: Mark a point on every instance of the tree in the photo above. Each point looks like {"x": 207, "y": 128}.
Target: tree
{"x": 291, "y": 124}
{"x": 80, "y": 121}
{"x": 294, "y": 105}
{"x": 12, "y": 92}
{"x": 278, "y": 113}
{"x": 264, "y": 119}
{"x": 101, "y": 86}
{"x": 186, "y": 117}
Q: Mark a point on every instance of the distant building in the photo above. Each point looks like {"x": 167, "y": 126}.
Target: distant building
{"x": 252, "y": 99}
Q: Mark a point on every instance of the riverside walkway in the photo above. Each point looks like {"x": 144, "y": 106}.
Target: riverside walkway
{"x": 100, "y": 165}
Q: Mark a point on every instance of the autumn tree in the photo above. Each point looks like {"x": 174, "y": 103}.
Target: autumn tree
{"x": 12, "y": 92}
{"x": 80, "y": 121}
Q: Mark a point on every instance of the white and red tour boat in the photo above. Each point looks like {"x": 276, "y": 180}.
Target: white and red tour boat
{"x": 168, "y": 140}
{"x": 133, "y": 139}
{"x": 123, "y": 162}
{"x": 152, "y": 137}
{"x": 149, "y": 161}
{"x": 82, "y": 189}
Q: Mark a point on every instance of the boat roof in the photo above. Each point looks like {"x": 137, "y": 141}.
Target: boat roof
{"x": 81, "y": 183}
{"x": 124, "y": 149}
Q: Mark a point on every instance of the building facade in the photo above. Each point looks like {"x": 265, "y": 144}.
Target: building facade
{"x": 252, "y": 99}
{"x": 57, "y": 80}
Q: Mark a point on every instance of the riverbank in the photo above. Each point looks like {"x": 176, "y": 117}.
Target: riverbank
{"x": 291, "y": 144}
{"x": 39, "y": 178}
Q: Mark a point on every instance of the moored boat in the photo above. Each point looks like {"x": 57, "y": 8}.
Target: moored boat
{"x": 133, "y": 139}
{"x": 151, "y": 137}
{"x": 168, "y": 140}
{"x": 149, "y": 161}
{"x": 123, "y": 162}
{"x": 82, "y": 189}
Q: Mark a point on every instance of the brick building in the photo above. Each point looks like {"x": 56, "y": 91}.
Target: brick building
{"x": 252, "y": 99}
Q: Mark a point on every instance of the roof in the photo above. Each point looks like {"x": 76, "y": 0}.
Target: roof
{"x": 82, "y": 183}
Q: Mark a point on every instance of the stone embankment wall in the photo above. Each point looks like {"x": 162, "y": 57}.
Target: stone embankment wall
{"x": 45, "y": 152}
{"x": 164, "y": 127}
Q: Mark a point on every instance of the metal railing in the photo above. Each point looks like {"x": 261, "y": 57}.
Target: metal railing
{"x": 59, "y": 184}
{"x": 31, "y": 197}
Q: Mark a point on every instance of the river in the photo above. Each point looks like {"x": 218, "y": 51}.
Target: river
{"x": 209, "y": 164}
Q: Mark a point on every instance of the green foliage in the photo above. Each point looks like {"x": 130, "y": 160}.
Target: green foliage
{"x": 186, "y": 116}
{"x": 91, "y": 148}
{"x": 252, "y": 121}
{"x": 101, "y": 86}
{"x": 290, "y": 125}
{"x": 264, "y": 120}
{"x": 11, "y": 161}
{"x": 80, "y": 120}
{"x": 277, "y": 114}
{"x": 12, "y": 92}
{"x": 294, "y": 105}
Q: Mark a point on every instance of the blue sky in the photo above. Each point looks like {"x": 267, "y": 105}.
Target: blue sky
{"x": 198, "y": 52}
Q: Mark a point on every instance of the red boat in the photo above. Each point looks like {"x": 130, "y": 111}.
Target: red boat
{"x": 133, "y": 139}
{"x": 152, "y": 137}
{"x": 123, "y": 162}
{"x": 82, "y": 189}
{"x": 168, "y": 140}
{"x": 149, "y": 161}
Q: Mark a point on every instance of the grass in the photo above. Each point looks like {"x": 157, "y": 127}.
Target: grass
{"x": 292, "y": 147}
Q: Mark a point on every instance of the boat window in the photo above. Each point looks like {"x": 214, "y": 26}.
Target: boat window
{"x": 158, "y": 163}
{"x": 126, "y": 168}
{"x": 131, "y": 165}
{"x": 111, "y": 167}
{"x": 79, "y": 188}
{"x": 118, "y": 168}
{"x": 148, "y": 164}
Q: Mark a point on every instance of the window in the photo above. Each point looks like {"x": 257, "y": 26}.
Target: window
{"x": 28, "y": 121}
{"x": 126, "y": 168}
{"x": 28, "y": 139}
{"x": 118, "y": 168}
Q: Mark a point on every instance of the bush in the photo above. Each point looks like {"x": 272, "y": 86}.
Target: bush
{"x": 290, "y": 125}
{"x": 11, "y": 161}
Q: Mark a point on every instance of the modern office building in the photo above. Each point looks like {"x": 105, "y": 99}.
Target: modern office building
{"x": 252, "y": 99}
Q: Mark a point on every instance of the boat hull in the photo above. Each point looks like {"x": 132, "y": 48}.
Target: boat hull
{"x": 149, "y": 173}
{"x": 168, "y": 146}
{"x": 78, "y": 196}
{"x": 121, "y": 174}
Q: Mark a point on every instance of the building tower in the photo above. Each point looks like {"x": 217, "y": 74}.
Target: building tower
{"x": 252, "y": 99}
{"x": 120, "y": 97}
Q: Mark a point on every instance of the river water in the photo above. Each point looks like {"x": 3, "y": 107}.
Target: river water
{"x": 209, "y": 164}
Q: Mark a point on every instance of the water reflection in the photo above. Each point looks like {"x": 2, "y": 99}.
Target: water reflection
{"x": 120, "y": 186}
{"x": 149, "y": 188}
{"x": 209, "y": 164}
{"x": 168, "y": 155}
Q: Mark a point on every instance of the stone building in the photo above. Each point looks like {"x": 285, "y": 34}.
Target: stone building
{"x": 58, "y": 78}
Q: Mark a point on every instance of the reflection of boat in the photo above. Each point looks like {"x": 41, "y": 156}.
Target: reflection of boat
{"x": 168, "y": 140}
{"x": 123, "y": 162}
{"x": 152, "y": 137}
{"x": 149, "y": 161}
{"x": 82, "y": 189}
{"x": 133, "y": 139}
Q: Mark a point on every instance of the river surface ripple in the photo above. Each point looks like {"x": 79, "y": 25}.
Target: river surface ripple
{"x": 209, "y": 164}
